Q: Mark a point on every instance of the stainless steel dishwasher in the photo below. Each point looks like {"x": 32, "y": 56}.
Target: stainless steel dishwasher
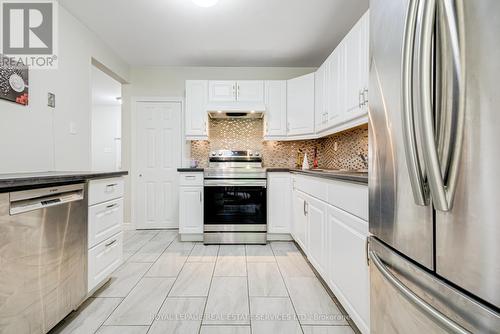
{"x": 43, "y": 251}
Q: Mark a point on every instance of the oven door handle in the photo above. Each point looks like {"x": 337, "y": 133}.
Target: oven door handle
{"x": 235, "y": 182}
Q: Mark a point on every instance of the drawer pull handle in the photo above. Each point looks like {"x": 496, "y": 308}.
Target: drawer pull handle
{"x": 112, "y": 185}
{"x": 190, "y": 177}
{"x": 110, "y": 243}
{"x": 111, "y": 206}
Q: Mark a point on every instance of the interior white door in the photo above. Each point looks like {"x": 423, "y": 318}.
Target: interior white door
{"x": 158, "y": 154}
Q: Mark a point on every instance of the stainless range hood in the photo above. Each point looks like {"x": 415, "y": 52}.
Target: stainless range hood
{"x": 221, "y": 114}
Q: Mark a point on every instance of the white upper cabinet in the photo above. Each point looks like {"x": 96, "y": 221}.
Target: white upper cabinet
{"x": 250, "y": 91}
{"x": 320, "y": 103}
{"x": 247, "y": 91}
{"x": 222, "y": 91}
{"x": 342, "y": 83}
{"x": 356, "y": 67}
{"x": 276, "y": 110}
{"x": 300, "y": 104}
{"x": 196, "y": 110}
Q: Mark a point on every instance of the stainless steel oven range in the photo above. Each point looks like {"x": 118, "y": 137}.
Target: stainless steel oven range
{"x": 235, "y": 198}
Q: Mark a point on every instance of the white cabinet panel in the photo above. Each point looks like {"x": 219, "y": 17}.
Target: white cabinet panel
{"x": 191, "y": 179}
{"x": 320, "y": 101}
{"x": 103, "y": 259}
{"x": 300, "y": 104}
{"x": 196, "y": 110}
{"x": 276, "y": 109}
{"x": 191, "y": 210}
{"x": 350, "y": 197}
{"x": 316, "y": 212}
{"x": 279, "y": 203}
{"x": 300, "y": 219}
{"x": 105, "y": 190}
{"x": 222, "y": 91}
{"x": 348, "y": 272}
{"x": 104, "y": 221}
{"x": 250, "y": 91}
{"x": 336, "y": 80}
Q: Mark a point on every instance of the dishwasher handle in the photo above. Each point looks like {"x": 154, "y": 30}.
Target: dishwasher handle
{"x": 37, "y": 199}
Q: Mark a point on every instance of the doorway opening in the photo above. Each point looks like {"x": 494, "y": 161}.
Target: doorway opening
{"x": 106, "y": 124}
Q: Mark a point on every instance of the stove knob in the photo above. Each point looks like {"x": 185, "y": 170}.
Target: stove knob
{"x": 251, "y": 154}
{"x": 213, "y": 154}
{"x": 257, "y": 154}
{"x": 220, "y": 154}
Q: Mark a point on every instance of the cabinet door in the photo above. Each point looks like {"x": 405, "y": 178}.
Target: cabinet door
{"x": 336, "y": 87}
{"x": 279, "y": 203}
{"x": 300, "y": 104}
{"x": 196, "y": 109}
{"x": 316, "y": 212}
{"x": 348, "y": 272}
{"x": 250, "y": 91}
{"x": 319, "y": 97}
{"x": 103, "y": 259}
{"x": 300, "y": 219}
{"x": 222, "y": 91}
{"x": 275, "y": 118}
{"x": 357, "y": 69}
{"x": 191, "y": 210}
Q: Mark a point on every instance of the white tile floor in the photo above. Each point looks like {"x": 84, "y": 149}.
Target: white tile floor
{"x": 167, "y": 286}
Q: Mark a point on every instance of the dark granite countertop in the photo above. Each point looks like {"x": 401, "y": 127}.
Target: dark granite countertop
{"x": 351, "y": 176}
{"x": 190, "y": 170}
{"x": 18, "y": 180}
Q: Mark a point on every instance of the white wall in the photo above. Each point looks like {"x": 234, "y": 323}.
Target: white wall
{"x": 170, "y": 82}
{"x": 106, "y": 130}
{"x": 37, "y": 138}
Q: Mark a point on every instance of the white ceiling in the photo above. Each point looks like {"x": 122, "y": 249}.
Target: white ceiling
{"x": 105, "y": 89}
{"x": 292, "y": 33}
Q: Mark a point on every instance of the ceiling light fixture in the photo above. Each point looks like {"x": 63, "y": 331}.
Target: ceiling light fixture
{"x": 206, "y": 3}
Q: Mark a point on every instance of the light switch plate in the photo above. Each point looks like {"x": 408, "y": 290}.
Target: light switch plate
{"x": 51, "y": 100}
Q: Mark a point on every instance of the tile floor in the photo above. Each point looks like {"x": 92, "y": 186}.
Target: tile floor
{"x": 167, "y": 286}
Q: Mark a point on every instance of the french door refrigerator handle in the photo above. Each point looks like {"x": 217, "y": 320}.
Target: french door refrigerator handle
{"x": 443, "y": 321}
{"x": 417, "y": 179}
{"x": 454, "y": 137}
{"x": 442, "y": 194}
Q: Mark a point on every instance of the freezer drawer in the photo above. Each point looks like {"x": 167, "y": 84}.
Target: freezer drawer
{"x": 406, "y": 299}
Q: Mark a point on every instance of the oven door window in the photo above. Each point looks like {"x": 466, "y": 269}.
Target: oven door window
{"x": 235, "y": 205}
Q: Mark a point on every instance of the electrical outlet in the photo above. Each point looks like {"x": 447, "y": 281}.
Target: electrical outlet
{"x": 51, "y": 100}
{"x": 72, "y": 128}
{"x": 335, "y": 146}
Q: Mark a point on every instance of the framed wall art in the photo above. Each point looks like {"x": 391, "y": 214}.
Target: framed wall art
{"x": 14, "y": 85}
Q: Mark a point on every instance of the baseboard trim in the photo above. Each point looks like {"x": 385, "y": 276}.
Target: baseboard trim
{"x": 198, "y": 237}
{"x": 279, "y": 237}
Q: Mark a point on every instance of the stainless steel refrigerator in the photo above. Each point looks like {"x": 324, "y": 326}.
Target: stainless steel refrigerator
{"x": 435, "y": 166}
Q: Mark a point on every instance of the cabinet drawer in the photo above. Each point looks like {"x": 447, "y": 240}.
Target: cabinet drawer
{"x": 350, "y": 197}
{"x": 105, "y": 190}
{"x": 313, "y": 186}
{"x": 104, "y": 259}
{"x": 105, "y": 220}
{"x": 191, "y": 179}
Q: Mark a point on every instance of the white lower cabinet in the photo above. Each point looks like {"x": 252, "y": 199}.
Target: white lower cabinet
{"x": 348, "y": 271}
{"x": 279, "y": 202}
{"x": 191, "y": 210}
{"x": 104, "y": 259}
{"x": 326, "y": 227}
{"x": 191, "y": 206}
{"x": 316, "y": 212}
{"x": 105, "y": 230}
{"x": 299, "y": 231}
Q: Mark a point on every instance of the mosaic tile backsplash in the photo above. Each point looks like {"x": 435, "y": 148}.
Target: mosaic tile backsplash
{"x": 247, "y": 134}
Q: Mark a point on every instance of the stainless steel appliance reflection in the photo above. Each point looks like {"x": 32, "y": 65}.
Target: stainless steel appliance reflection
{"x": 43, "y": 238}
{"x": 235, "y": 209}
{"x": 434, "y": 189}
